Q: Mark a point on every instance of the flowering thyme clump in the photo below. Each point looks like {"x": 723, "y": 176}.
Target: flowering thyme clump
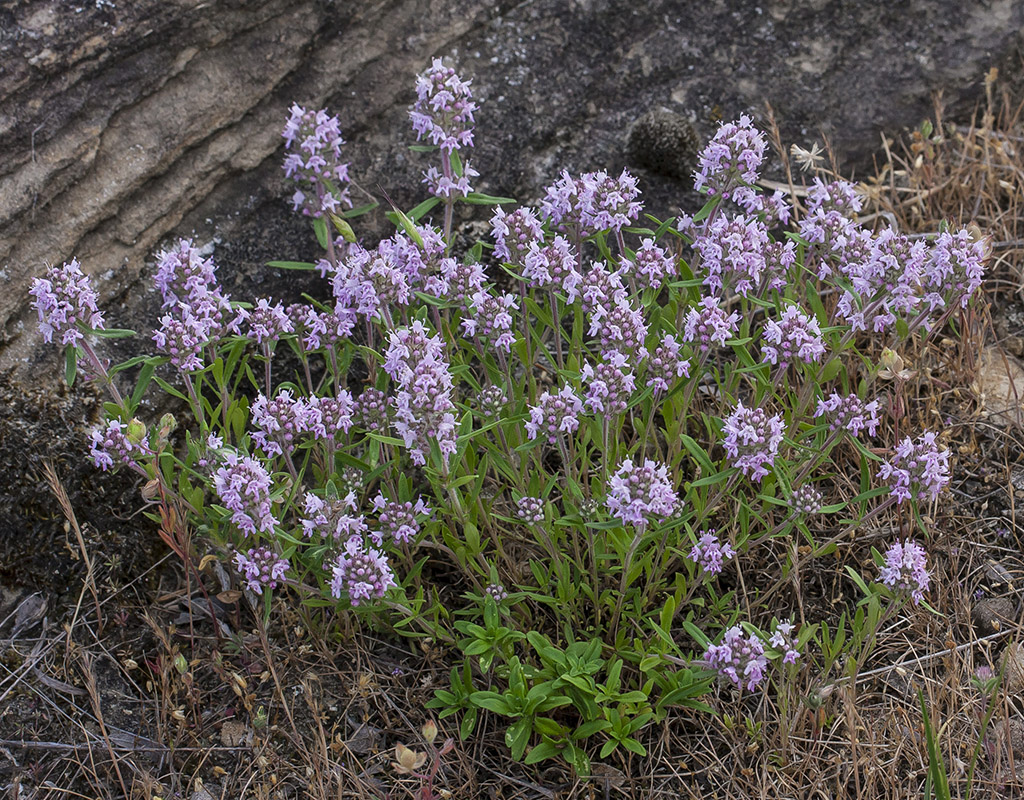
{"x": 783, "y": 641}
{"x": 731, "y": 159}
{"x": 806, "y": 499}
{"x": 554, "y": 414}
{"x": 117, "y": 444}
{"x": 710, "y": 554}
{"x": 279, "y": 422}
{"x": 954, "y": 270}
{"x": 243, "y": 485}
{"x": 313, "y": 143}
{"x": 66, "y": 303}
{"x": 666, "y": 366}
{"x": 360, "y": 571}
{"x": 640, "y": 494}
{"x": 918, "y": 470}
{"x": 261, "y": 568}
{"x": 732, "y": 253}
{"x": 905, "y": 569}
{"x": 849, "y": 413}
{"x": 796, "y": 337}
{"x": 424, "y": 411}
{"x": 609, "y": 386}
{"x": 738, "y": 658}
{"x": 752, "y": 440}
{"x": 397, "y": 519}
{"x": 709, "y": 325}
{"x": 530, "y": 510}
{"x": 330, "y": 518}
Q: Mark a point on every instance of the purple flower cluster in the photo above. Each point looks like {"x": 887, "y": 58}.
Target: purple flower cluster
{"x": 66, "y": 303}
{"x": 243, "y": 485}
{"x": 600, "y": 288}
{"x": 397, "y": 519}
{"x": 609, "y": 385}
{"x": 838, "y": 196}
{"x": 116, "y": 444}
{"x": 280, "y": 422}
{"x": 593, "y": 202}
{"x": 313, "y": 144}
{"x": 266, "y": 323}
{"x": 444, "y": 107}
{"x": 666, "y": 366}
{"x": 182, "y": 337}
{"x": 530, "y": 510}
{"x": 326, "y": 328}
{"x": 440, "y": 184}
{"x": 497, "y": 591}
{"x": 328, "y": 417}
{"x": 330, "y": 518}
{"x": 491, "y": 401}
{"x": 650, "y": 266}
{"x": 774, "y": 209}
{"x": 370, "y": 410}
{"x": 752, "y": 440}
{"x": 906, "y": 570}
{"x": 710, "y": 554}
{"x": 806, "y": 499}
{"x": 555, "y": 413}
{"x": 552, "y": 266}
{"x": 733, "y": 248}
{"x": 424, "y": 411}
{"x": 490, "y": 317}
{"x": 261, "y": 567}
{"x": 619, "y": 328}
{"x": 795, "y": 337}
{"x": 709, "y": 325}
{"x": 731, "y": 159}
{"x": 849, "y": 413}
{"x": 918, "y": 470}
{"x": 740, "y": 659}
{"x": 955, "y": 269}
{"x": 886, "y": 285}
{"x": 369, "y": 281}
{"x": 640, "y": 494}
{"x": 360, "y": 571}
{"x": 514, "y": 233}
{"x": 782, "y": 639}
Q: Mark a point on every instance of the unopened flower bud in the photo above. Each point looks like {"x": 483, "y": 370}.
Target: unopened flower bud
{"x": 167, "y": 425}
{"x": 136, "y": 431}
{"x": 429, "y": 731}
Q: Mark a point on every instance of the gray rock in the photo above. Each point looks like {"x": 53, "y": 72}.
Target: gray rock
{"x": 125, "y": 122}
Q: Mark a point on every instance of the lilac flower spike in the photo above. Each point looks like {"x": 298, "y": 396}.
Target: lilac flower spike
{"x": 332, "y": 518}
{"x": 609, "y": 386}
{"x": 183, "y": 275}
{"x": 261, "y": 568}
{"x": 606, "y": 202}
{"x": 732, "y": 253}
{"x": 782, "y": 639}
{"x": 731, "y": 159}
{"x": 514, "y": 233}
{"x": 530, "y": 510}
{"x": 443, "y": 111}
{"x": 313, "y": 143}
{"x": 243, "y": 485}
{"x": 651, "y": 265}
{"x": 738, "y": 658}
{"x": 361, "y": 571}
{"x": 708, "y": 325}
{"x": 666, "y": 366}
{"x": 955, "y": 269}
{"x": 918, "y": 470}
{"x": 795, "y": 337}
{"x": 639, "y": 494}
{"x": 267, "y": 323}
{"x": 554, "y": 414}
{"x": 710, "y": 554}
{"x": 398, "y": 519}
{"x": 849, "y": 413}
{"x": 66, "y": 302}
{"x": 905, "y": 569}
{"x": 752, "y": 440}
{"x": 112, "y": 446}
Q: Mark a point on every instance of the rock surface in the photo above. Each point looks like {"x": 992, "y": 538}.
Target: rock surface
{"x": 125, "y": 122}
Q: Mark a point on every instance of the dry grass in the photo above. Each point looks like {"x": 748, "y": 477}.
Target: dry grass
{"x": 161, "y": 690}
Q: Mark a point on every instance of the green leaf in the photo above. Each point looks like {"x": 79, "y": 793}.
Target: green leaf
{"x": 423, "y": 148}
{"x": 291, "y": 265}
{"x": 541, "y": 752}
{"x": 352, "y": 213}
{"x": 419, "y": 211}
{"x": 70, "y": 365}
{"x": 478, "y": 199}
{"x": 320, "y": 229}
{"x": 112, "y": 333}
{"x": 145, "y": 376}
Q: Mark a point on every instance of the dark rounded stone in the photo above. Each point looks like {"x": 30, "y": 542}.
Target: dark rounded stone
{"x": 663, "y": 142}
